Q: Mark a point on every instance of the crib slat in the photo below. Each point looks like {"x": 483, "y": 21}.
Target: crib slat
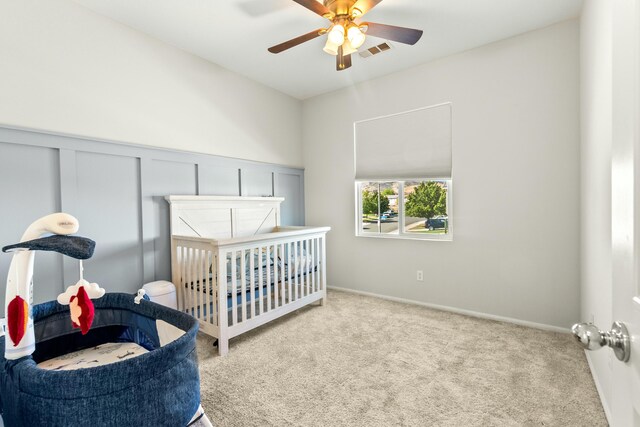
{"x": 205, "y": 285}
{"x": 307, "y": 265}
{"x": 194, "y": 278}
{"x": 196, "y": 285}
{"x": 203, "y": 288}
{"x": 234, "y": 290}
{"x": 212, "y": 287}
{"x": 199, "y": 293}
{"x": 324, "y": 264}
{"x": 301, "y": 268}
{"x": 189, "y": 283}
{"x": 221, "y": 292}
{"x": 211, "y": 304}
{"x": 183, "y": 280}
{"x": 313, "y": 264}
{"x": 187, "y": 275}
{"x": 252, "y": 281}
{"x": 307, "y": 261}
{"x": 268, "y": 288}
{"x": 260, "y": 303}
{"x": 194, "y": 281}
{"x": 243, "y": 284}
{"x": 204, "y": 311}
{"x": 289, "y": 248}
{"x": 318, "y": 261}
{"x": 296, "y": 272}
{"x": 282, "y": 275}
{"x": 282, "y": 268}
{"x": 181, "y": 283}
{"x": 205, "y": 278}
{"x": 274, "y": 260}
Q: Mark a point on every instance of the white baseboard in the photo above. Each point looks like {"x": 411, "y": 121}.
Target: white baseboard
{"x": 459, "y": 311}
{"x": 596, "y": 380}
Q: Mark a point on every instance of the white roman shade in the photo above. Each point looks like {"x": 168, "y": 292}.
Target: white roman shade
{"x": 414, "y": 144}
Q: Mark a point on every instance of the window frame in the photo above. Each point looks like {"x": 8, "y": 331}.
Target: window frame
{"x": 402, "y": 234}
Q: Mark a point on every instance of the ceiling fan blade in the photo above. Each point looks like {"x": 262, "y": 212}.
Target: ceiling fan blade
{"x": 364, "y": 6}
{"x": 315, "y": 6}
{"x": 298, "y": 40}
{"x": 342, "y": 61}
{"x": 390, "y": 32}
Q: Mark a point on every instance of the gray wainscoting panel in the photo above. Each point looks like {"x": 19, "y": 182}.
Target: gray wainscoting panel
{"x": 117, "y": 193}
{"x": 257, "y": 182}
{"x": 218, "y": 180}
{"x": 108, "y": 208}
{"x": 29, "y": 189}
{"x": 167, "y": 178}
{"x": 291, "y": 187}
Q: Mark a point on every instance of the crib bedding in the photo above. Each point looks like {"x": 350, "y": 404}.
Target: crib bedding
{"x": 256, "y": 287}
{"x": 268, "y": 278}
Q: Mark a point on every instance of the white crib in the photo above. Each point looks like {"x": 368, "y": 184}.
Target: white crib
{"x": 235, "y": 268}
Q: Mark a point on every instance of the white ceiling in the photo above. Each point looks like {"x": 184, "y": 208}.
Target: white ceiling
{"x": 235, "y": 34}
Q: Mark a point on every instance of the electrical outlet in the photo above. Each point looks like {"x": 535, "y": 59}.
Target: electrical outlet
{"x": 419, "y": 276}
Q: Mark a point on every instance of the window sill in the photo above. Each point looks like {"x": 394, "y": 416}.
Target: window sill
{"x": 432, "y": 238}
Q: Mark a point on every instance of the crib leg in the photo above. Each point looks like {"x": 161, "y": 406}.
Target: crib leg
{"x": 322, "y": 301}
{"x": 223, "y": 347}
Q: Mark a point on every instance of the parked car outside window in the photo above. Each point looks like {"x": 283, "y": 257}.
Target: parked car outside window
{"x": 436, "y": 223}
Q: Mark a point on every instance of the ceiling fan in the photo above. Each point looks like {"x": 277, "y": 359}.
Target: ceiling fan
{"x": 346, "y": 33}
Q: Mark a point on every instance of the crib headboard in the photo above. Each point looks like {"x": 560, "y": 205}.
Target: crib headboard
{"x": 223, "y": 217}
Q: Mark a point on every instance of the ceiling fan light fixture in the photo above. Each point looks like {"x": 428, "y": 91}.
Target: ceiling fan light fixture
{"x": 336, "y": 35}
{"x": 348, "y": 49}
{"x": 345, "y": 33}
{"x": 356, "y": 36}
{"x": 331, "y": 48}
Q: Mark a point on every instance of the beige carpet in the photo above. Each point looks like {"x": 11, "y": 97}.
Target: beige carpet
{"x": 362, "y": 361}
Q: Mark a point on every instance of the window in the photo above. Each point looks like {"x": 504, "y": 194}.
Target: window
{"x": 416, "y": 209}
{"x": 390, "y": 152}
{"x": 379, "y": 207}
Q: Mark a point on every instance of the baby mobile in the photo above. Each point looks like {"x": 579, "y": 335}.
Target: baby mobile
{"x": 19, "y": 319}
{"x": 78, "y": 297}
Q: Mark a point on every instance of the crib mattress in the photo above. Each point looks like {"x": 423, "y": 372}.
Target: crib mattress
{"x": 99, "y": 355}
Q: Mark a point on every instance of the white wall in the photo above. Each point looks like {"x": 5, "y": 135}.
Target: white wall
{"x": 516, "y": 158}
{"x": 596, "y": 120}
{"x": 66, "y": 69}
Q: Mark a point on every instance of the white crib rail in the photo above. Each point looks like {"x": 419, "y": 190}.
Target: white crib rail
{"x": 207, "y": 273}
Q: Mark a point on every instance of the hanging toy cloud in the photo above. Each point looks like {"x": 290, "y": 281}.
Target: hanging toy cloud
{"x": 78, "y": 297}
{"x": 18, "y": 299}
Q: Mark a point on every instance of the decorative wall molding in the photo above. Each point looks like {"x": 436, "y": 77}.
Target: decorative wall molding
{"x": 116, "y": 190}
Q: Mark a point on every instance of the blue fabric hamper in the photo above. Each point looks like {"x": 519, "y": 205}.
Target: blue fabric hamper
{"x": 158, "y": 388}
